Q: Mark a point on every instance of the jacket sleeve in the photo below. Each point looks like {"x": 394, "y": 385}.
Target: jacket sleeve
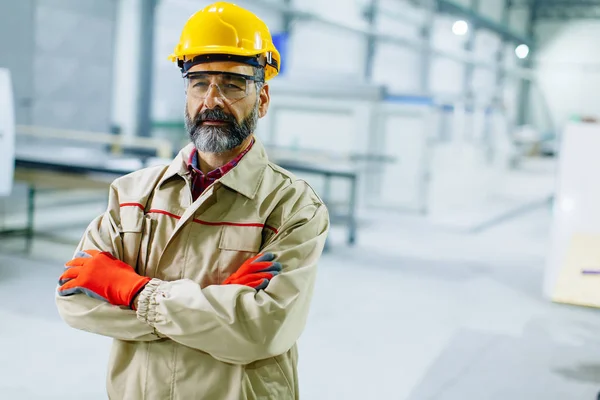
{"x": 96, "y": 316}
{"x": 234, "y": 323}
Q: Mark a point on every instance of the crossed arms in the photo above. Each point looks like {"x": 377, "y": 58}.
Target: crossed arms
{"x": 233, "y": 323}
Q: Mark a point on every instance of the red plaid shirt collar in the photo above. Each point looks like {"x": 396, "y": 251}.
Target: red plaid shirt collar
{"x": 201, "y": 181}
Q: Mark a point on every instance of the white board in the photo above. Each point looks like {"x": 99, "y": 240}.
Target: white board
{"x": 7, "y": 133}
{"x": 406, "y": 130}
{"x": 575, "y": 242}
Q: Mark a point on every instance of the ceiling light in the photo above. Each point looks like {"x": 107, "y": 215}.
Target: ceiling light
{"x": 522, "y": 51}
{"x": 460, "y": 28}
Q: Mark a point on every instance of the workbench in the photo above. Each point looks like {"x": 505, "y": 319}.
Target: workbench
{"x": 64, "y": 168}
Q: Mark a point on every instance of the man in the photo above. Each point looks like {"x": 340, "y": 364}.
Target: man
{"x": 203, "y": 271}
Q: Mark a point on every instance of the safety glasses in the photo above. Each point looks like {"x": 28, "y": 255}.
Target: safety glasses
{"x": 232, "y": 86}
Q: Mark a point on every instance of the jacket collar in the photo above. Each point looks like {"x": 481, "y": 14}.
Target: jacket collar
{"x": 178, "y": 166}
{"x": 245, "y": 178}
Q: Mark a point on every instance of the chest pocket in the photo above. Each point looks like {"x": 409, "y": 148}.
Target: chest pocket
{"x": 135, "y": 232}
{"x": 237, "y": 244}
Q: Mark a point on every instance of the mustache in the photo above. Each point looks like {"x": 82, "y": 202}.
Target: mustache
{"x": 216, "y": 114}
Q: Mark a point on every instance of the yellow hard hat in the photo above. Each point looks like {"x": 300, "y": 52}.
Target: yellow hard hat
{"x": 224, "y": 31}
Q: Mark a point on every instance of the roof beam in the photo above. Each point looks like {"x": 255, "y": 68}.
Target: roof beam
{"x": 450, "y": 7}
{"x": 567, "y": 13}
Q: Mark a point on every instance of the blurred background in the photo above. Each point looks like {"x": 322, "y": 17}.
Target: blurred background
{"x": 454, "y": 142}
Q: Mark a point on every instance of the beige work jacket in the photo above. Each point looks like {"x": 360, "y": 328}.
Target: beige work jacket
{"x": 192, "y": 338}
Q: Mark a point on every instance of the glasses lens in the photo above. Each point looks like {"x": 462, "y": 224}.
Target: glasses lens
{"x": 230, "y": 86}
{"x": 233, "y": 87}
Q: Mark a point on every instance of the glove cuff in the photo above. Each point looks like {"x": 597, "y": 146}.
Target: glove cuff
{"x": 137, "y": 289}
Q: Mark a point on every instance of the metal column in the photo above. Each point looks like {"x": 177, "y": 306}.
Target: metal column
{"x": 426, "y": 59}
{"x": 501, "y": 57}
{"x": 288, "y": 18}
{"x": 498, "y": 101}
{"x": 425, "y": 88}
{"x": 371, "y": 17}
{"x": 525, "y": 91}
{"x": 145, "y": 67}
{"x": 17, "y": 30}
{"x": 470, "y": 68}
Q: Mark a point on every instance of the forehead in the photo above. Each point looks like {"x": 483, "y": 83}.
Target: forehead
{"x": 225, "y": 66}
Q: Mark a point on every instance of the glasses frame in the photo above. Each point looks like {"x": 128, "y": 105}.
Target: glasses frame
{"x": 252, "y": 78}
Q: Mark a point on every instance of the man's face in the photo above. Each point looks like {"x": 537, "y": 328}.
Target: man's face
{"x": 217, "y": 124}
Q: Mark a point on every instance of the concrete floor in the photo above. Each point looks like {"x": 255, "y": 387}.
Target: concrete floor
{"x": 413, "y": 312}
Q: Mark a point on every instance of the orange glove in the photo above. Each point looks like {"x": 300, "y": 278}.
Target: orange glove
{"x": 102, "y": 276}
{"x": 255, "y": 272}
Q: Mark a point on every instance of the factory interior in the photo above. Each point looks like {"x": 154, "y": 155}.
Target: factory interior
{"x": 453, "y": 143}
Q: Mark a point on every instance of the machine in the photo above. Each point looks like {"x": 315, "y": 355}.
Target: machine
{"x": 7, "y": 133}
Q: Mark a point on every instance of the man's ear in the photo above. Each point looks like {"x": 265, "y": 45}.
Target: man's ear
{"x": 264, "y": 98}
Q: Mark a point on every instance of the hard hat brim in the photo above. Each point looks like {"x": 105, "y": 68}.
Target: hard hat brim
{"x": 190, "y": 53}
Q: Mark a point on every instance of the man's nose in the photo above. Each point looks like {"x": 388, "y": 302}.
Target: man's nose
{"x": 213, "y": 98}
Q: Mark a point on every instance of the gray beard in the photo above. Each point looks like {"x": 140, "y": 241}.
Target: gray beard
{"x": 219, "y": 139}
